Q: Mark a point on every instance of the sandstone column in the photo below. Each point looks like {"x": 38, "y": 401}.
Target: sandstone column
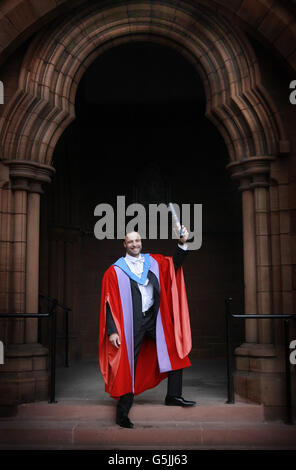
{"x": 32, "y": 260}
{"x": 263, "y": 248}
{"x": 259, "y": 375}
{"x": 249, "y": 231}
{"x": 24, "y": 376}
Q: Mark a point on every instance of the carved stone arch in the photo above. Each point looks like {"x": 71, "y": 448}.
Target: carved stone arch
{"x": 44, "y": 104}
{"x": 270, "y": 20}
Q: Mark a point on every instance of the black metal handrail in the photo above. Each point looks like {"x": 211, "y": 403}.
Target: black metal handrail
{"x": 286, "y": 319}
{"x": 52, "y": 346}
{"x": 66, "y": 311}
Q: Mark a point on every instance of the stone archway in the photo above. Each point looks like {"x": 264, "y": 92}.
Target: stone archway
{"x": 237, "y": 104}
{"x": 54, "y": 64}
{"x": 271, "y": 20}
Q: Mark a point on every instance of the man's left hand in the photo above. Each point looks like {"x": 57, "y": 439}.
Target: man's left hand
{"x": 185, "y": 235}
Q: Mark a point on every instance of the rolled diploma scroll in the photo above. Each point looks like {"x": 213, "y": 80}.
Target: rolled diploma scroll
{"x": 176, "y": 219}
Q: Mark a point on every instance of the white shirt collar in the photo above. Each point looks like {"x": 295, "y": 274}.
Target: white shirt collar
{"x": 133, "y": 259}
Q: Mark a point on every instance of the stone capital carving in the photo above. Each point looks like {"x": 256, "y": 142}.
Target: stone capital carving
{"x": 252, "y": 172}
{"x": 4, "y": 175}
{"x": 28, "y": 176}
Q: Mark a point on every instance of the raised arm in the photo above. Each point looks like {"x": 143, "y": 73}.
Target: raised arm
{"x": 181, "y": 250}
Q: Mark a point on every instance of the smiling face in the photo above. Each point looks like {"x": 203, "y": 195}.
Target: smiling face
{"x": 133, "y": 243}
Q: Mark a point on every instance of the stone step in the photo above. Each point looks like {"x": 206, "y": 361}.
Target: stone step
{"x": 157, "y": 435}
{"x": 79, "y": 409}
{"x": 81, "y": 424}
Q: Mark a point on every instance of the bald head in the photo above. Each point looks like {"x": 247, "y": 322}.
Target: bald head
{"x": 132, "y": 235}
{"x": 133, "y": 243}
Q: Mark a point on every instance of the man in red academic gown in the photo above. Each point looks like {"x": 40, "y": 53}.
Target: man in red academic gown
{"x": 145, "y": 331}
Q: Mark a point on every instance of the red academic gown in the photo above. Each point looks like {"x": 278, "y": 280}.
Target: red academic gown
{"x": 174, "y": 313}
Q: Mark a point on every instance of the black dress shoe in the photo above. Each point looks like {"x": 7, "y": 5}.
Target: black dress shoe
{"x": 178, "y": 401}
{"x": 124, "y": 422}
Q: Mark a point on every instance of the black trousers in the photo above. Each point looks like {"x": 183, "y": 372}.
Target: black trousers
{"x": 147, "y": 326}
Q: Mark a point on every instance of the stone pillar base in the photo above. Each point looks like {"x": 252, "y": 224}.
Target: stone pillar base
{"x": 260, "y": 377}
{"x": 24, "y": 376}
